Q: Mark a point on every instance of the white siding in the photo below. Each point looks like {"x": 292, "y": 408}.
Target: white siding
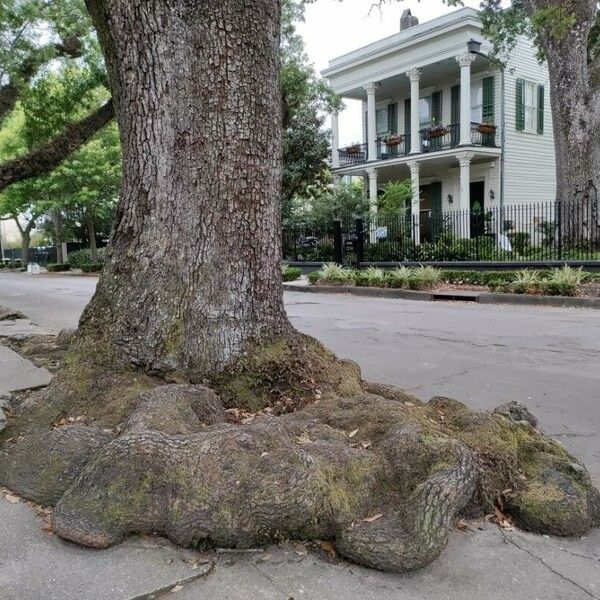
{"x": 530, "y": 174}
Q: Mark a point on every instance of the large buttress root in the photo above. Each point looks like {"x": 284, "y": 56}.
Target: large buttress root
{"x": 367, "y": 466}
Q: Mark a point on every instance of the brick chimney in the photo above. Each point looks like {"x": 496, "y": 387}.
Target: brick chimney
{"x": 407, "y": 20}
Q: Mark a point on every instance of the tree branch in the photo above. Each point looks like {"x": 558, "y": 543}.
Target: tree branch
{"x": 51, "y": 154}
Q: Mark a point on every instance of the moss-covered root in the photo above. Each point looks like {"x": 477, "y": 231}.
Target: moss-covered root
{"x": 288, "y": 477}
{"x": 414, "y": 531}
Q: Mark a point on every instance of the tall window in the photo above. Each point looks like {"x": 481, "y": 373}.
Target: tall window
{"x": 477, "y": 102}
{"x": 381, "y": 118}
{"x": 425, "y": 115}
{"x": 530, "y": 106}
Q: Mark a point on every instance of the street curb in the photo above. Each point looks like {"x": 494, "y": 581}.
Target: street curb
{"x": 482, "y": 298}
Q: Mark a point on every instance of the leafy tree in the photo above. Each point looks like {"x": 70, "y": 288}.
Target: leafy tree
{"x": 36, "y": 37}
{"x": 396, "y": 198}
{"x": 306, "y": 99}
{"x": 48, "y": 105}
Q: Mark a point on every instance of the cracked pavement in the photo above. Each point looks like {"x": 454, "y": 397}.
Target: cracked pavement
{"x": 547, "y": 358}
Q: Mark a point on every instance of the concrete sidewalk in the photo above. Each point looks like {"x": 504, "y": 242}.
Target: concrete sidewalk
{"x": 17, "y": 373}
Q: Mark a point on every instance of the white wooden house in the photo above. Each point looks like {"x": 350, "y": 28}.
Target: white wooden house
{"x": 437, "y": 110}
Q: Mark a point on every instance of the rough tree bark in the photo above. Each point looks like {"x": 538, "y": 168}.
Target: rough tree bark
{"x": 91, "y": 231}
{"x": 127, "y": 440}
{"x": 193, "y": 268}
{"x": 575, "y": 100}
{"x": 25, "y": 233}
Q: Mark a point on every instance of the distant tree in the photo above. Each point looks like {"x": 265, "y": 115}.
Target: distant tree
{"x": 395, "y": 198}
{"x": 306, "y": 99}
{"x": 37, "y": 36}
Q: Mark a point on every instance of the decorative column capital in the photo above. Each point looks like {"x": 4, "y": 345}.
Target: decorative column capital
{"x": 414, "y": 75}
{"x": 371, "y": 87}
{"x": 465, "y": 60}
{"x": 371, "y": 172}
{"x": 464, "y": 160}
{"x": 414, "y": 166}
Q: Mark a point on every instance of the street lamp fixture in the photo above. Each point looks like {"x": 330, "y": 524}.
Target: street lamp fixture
{"x": 474, "y": 47}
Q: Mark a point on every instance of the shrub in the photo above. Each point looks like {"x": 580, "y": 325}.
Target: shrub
{"x": 333, "y": 274}
{"x": 77, "y": 258}
{"x": 375, "y": 277}
{"x": 14, "y": 264}
{"x": 564, "y": 281}
{"x": 2, "y": 265}
{"x": 526, "y": 281}
{"x": 424, "y": 278}
{"x": 520, "y": 241}
{"x": 398, "y": 278}
{"x": 92, "y": 267}
{"x": 58, "y": 267}
{"x": 291, "y": 273}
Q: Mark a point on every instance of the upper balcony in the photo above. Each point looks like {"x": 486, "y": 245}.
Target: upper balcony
{"x": 431, "y": 139}
{"x": 426, "y": 89}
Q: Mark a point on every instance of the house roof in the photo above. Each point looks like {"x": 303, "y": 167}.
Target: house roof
{"x": 403, "y": 39}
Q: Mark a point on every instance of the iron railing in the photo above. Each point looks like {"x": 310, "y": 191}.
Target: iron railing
{"x": 540, "y": 232}
{"x": 432, "y": 139}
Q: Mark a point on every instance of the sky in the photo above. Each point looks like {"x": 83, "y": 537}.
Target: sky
{"x": 334, "y": 27}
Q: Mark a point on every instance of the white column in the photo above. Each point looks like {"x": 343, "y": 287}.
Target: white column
{"x": 372, "y": 173}
{"x": 335, "y": 140}
{"x": 415, "y": 206}
{"x": 371, "y": 120}
{"x": 464, "y": 201}
{"x": 415, "y": 138}
{"x": 465, "y": 60}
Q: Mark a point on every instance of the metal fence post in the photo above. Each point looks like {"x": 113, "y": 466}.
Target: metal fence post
{"x": 360, "y": 241}
{"x": 338, "y": 251}
{"x": 559, "y": 218}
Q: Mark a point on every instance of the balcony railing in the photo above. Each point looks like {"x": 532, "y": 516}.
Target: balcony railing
{"x": 393, "y": 146}
{"x": 433, "y": 139}
{"x": 353, "y": 155}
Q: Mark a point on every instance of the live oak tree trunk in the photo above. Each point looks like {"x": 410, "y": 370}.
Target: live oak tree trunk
{"x": 25, "y": 241}
{"x": 575, "y": 99}
{"x": 91, "y": 230}
{"x": 56, "y": 224}
{"x": 193, "y": 267}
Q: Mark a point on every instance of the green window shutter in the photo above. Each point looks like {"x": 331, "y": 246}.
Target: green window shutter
{"x": 520, "y": 105}
{"x": 436, "y": 107}
{"x": 489, "y": 92}
{"x": 540, "y": 110}
{"x": 455, "y": 105}
{"x": 407, "y": 116}
{"x": 393, "y": 118}
{"x": 455, "y": 114}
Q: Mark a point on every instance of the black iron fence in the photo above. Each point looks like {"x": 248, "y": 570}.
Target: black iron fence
{"x": 528, "y": 232}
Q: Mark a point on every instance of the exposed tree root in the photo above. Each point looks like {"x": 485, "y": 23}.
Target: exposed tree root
{"x": 367, "y": 466}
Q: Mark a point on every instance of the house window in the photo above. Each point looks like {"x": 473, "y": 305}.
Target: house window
{"x": 477, "y": 102}
{"x": 530, "y": 106}
{"x": 381, "y": 119}
{"x": 425, "y": 112}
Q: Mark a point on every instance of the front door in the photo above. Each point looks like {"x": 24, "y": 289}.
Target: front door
{"x": 477, "y": 208}
{"x": 431, "y": 211}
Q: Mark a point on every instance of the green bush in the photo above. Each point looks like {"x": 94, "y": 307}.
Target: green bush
{"x": 333, "y": 274}
{"x": 92, "y": 267}
{"x": 58, "y": 267}
{"x": 291, "y": 273}
{"x": 2, "y": 265}
{"x": 398, "y": 278}
{"x": 564, "y": 281}
{"x": 520, "y": 241}
{"x": 424, "y": 278}
{"x": 77, "y": 258}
